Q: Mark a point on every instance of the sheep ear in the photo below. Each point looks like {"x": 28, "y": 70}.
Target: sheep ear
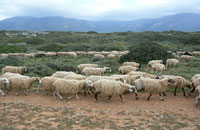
{"x": 122, "y": 80}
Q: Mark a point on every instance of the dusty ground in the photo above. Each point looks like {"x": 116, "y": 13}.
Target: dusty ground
{"x": 43, "y": 112}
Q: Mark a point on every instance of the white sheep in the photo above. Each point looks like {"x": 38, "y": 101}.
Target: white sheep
{"x": 67, "y": 54}
{"x": 3, "y": 83}
{"x": 127, "y": 69}
{"x": 75, "y": 76}
{"x": 62, "y": 74}
{"x": 134, "y": 64}
{"x": 152, "y": 86}
{"x": 195, "y": 76}
{"x": 8, "y": 75}
{"x": 4, "y": 55}
{"x": 195, "y": 84}
{"x": 64, "y": 87}
{"x": 82, "y": 66}
{"x": 143, "y": 74}
{"x": 112, "y": 56}
{"x": 81, "y": 52}
{"x": 186, "y": 58}
{"x": 110, "y": 88}
{"x": 158, "y": 67}
{"x": 46, "y": 84}
{"x": 94, "y": 78}
{"x": 14, "y": 69}
{"x": 127, "y": 78}
{"x": 196, "y": 53}
{"x": 95, "y": 71}
{"x": 172, "y": 62}
{"x": 22, "y": 82}
{"x": 180, "y": 83}
{"x": 150, "y": 63}
{"x": 50, "y": 54}
{"x": 31, "y": 55}
{"x": 98, "y": 56}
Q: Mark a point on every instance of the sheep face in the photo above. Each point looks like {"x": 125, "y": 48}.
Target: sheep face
{"x": 5, "y": 80}
{"x": 132, "y": 89}
{"x": 107, "y": 69}
{"x": 89, "y": 83}
{"x": 24, "y": 68}
{"x": 36, "y": 79}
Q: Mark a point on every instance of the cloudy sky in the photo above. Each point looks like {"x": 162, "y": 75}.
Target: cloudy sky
{"x": 97, "y": 9}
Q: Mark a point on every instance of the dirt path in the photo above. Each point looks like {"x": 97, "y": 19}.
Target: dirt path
{"x": 42, "y": 112}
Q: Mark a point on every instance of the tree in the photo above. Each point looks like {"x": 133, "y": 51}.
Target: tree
{"x": 144, "y": 52}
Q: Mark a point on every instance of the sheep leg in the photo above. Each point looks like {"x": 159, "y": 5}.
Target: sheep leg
{"x": 136, "y": 96}
{"x": 183, "y": 92}
{"x": 197, "y": 101}
{"x": 96, "y": 96}
{"x": 85, "y": 94}
{"x": 149, "y": 97}
{"x": 161, "y": 98}
{"x": 77, "y": 97}
{"x": 16, "y": 93}
{"x": 191, "y": 90}
{"x": 175, "y": 91}
{"x": 37, "y": 90}
{"x": 58, "y": 94}
{"x": 164, "y": 94}
{"x": 108, "y": 99}
{"x": 121, "y": 98}
{"x": 25, "y": 93}
{"x": 54, "y": 94}
{"x": 2, "y": 93}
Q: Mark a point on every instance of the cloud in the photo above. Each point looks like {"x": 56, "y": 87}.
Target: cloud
{"x": 97, "y": 9}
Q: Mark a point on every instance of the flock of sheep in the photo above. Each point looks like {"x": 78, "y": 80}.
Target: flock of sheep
{"x": 93, "y": 81}
{"x": 99, "y": 55}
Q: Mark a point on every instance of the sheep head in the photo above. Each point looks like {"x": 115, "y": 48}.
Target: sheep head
{"x": 89, "y": 83}
{"x": 107, "y": 69}
{"x": 5, "y": 80}
{"x": 36, "y": 79}
{"x": 24, "y": 68}
{"x": 122, "y": 80}
{"x": 132, "y": 89}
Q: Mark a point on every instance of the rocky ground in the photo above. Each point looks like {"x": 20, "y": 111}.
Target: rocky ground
{"x": 43, "y": 112}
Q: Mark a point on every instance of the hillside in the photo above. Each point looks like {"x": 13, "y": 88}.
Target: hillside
{"x": 188, "y": 22}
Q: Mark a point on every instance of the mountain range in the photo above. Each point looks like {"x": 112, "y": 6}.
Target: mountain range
{"x": 188, "y": 22}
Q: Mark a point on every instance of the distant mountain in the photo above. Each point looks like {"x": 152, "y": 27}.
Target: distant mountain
{"x": 181, "y": 22}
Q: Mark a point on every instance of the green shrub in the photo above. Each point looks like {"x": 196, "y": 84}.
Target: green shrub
{"x": 12, "y": 49}
{"x": 40, "y": 69}
{"x": 35, "y": 41}
{"x": 51, "y": 47}
{"x": 144, "y": 52}
{"x": 76, "y": 47}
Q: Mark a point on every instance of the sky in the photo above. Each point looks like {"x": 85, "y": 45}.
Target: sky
{"x": 121, "y": 10}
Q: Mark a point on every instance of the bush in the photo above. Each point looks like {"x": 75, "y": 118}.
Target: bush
{"x": 51, "y": 47}
{"x": 144, "y": 52}
{"x": 41, "y": 70}
{"x": 35, "y": 41}
{"x": 67, "y": 68}
{"x": 12, "y": 49}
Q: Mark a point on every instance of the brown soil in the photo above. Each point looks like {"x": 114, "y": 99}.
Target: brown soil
{"x": 42, "y": 112}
